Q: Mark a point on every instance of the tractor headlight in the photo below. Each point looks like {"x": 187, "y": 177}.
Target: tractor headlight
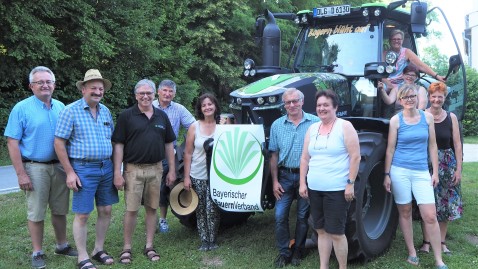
{"x": 272, "y": 99}
{"x": 390, "y": 69}
{"x": 246, "y": 72}
{"x": 377, "y": 12}
{"x": 391, "y": 57}
{"x": 260, "y": 101}
{"x": 239, "y": 101}
{"x": 365, "y": 12}
{"x": 248, "y": 64}
{"x": 380, "y": 69}
{"x": 252, "y": 72}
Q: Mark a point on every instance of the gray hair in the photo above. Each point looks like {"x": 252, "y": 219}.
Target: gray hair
{"x": 146, "y": 82}
{"x": 40, "y": 69}
{"x": 290, "y": 91}
{"x": 167, "y": 83}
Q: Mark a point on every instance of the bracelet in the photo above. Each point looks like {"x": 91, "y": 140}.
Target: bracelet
{"x": 386, "y": 174}
{"x": 435, "y": 76}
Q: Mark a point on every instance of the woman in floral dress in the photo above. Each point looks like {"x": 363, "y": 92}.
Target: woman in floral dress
{"x": 450, "y": 152}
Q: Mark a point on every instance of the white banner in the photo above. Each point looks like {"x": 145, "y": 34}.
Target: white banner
{"x": 237, "y": 166}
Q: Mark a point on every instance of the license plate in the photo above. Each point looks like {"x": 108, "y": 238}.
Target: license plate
{"x": 331, "y": 11}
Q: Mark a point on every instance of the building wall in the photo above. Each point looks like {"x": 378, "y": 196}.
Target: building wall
{"x": 471, "y": 36}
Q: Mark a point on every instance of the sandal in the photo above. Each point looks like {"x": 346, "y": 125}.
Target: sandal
{"x": 151, "y": 254}
{"x": 82, "y": 264}
{"x": 413, "y": 260}
{"x": 422, "y": 250}
{"x": 125, "y": 256}
{"x": 103, "y": 257}
{"x": 445, "y": 249}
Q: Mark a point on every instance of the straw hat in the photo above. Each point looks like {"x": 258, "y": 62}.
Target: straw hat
{"x": 183, "y": 202}
{"x": 93, "y": 74}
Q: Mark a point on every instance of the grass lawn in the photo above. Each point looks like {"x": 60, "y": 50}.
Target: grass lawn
{"x": 248, "y": 246}
{"x": 471, "y": 139}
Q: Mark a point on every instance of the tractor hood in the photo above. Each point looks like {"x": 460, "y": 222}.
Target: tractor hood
{"x": 268, "y": 91}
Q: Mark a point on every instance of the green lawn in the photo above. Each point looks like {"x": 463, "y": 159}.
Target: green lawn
{"x": 471, "y": 140}
{"x": 248, "y": 246}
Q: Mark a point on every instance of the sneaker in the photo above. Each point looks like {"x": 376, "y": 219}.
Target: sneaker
{"x": 204, "y": 247}
{"x": 38, "y": 261}
{"x": 163, "y": 226}
{"x": 281, "y": 261}
{"x": 67, "y": 251}
{"x": 213, "y": 246}
{"x": 296, "y": 257}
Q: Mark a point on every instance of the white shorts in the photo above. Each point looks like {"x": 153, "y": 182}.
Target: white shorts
{"x": 407, "y": 181}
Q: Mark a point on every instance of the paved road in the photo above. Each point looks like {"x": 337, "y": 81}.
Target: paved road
{"x": 9, "y": 183}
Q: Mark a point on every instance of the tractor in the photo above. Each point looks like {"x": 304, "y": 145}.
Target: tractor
{"x": 341, "y": 48}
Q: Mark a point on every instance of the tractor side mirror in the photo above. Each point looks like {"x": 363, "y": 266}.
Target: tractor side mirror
{"x": 454, "y": 64}
{"x": 260, "y": 24}
{"x": 418, "y": 17}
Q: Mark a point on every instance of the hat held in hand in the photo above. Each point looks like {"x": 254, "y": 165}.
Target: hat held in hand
{"x": 183, "y": 202}
{"x": 93, "y": 74}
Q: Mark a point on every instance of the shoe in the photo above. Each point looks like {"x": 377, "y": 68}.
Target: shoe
{"x": 67, "y": 251}
{"x": 204, "y": 246}
{"x": 38, "y": 261}
{"x": 413, "y": 260}
{"x": 213, "y": 246}
{"x": 296, "y": 257}
{"x": 163, "y": 226}
{"x": 422, "y": 247}
{"x": 445, "y": 249}
{"x": 281, "y": 261}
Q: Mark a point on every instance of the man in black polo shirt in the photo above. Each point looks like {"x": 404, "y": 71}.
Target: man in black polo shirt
{"x": 143, "y": 137}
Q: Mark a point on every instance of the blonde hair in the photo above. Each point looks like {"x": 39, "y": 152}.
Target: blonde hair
{"x": 405, "y": 89}
{"x": 396, "y": 32}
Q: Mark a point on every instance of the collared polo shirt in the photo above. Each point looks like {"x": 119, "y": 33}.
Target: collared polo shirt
{"x": 178, "y": 116}
{"x": 32, "y": 123}
{"x": 288, "y": 139}
{"x": 87, "y": 138}
{"x": 144, "y": 138}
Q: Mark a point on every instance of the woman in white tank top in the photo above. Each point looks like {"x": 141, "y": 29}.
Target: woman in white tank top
{"x": 195, "y": 169}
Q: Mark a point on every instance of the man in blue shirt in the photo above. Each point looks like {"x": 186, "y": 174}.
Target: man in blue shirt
{"x": 30, "y": 134}
{"x": 83, "y": 145}
{"x": 285, "y": 144}
{"x": 178, "y": 116}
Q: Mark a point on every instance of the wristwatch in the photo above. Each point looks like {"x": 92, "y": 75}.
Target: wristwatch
{"x": 386, "y": 174}
{"x": 349, "y": 181}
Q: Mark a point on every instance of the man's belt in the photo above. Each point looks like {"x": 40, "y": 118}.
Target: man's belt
{"x": 48, "y": 162}
{"x": 290, "y": 170}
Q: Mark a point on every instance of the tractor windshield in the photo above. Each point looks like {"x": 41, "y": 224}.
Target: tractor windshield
{"x": 343, "y": 49}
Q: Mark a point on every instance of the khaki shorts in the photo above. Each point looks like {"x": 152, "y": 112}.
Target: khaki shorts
{"x": 143, "y": 182}
{"x": 49, "y": 189}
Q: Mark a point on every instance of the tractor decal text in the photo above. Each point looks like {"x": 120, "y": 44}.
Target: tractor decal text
{"x": 339, "y": 29}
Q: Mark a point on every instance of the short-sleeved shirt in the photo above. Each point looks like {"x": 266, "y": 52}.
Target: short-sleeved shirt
{"x": 144, "y": 138}
{"x": 32, "y": 123}
{"x": 87, "y": 138}
{"x": 178, "y": 116}
{"x": 288, "y": 139}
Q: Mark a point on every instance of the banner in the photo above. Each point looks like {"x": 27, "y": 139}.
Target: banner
{"x": 237, "y": 166}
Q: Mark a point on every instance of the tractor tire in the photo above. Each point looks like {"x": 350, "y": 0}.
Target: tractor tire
{"x": 373, "y": 217}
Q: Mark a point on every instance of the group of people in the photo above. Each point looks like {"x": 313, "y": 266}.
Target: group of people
{"x": 56, "y": 148}
{"x": 315, "y": 159}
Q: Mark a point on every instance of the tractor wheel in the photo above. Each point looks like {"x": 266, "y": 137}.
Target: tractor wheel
{"x": 372, "y": 217}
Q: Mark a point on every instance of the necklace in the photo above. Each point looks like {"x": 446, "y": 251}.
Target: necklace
{"x": 438, "y": 116}
{"x": 320, "y": 126}
{"x": 321, "y": 147}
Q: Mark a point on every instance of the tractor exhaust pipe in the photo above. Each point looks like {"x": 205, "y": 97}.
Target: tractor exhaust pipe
{"x": 271, "y": 42}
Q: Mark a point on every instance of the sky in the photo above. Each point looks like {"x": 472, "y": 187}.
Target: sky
{"x": 455, "y": 11}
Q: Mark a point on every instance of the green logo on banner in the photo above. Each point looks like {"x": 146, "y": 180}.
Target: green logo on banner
{"x": 237, "y": 157}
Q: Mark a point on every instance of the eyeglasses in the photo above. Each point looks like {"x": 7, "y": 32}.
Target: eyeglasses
{"x": 41, "y": 82}
{"x": 408, "y": 97}
{"x": 410, "y": 75}
{"x": 396, "y": 39}
{"x": 293, "y": 102}
{"x": 145, "y": 93}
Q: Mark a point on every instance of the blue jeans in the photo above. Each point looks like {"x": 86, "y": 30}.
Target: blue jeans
{"x": 290, "y": 184}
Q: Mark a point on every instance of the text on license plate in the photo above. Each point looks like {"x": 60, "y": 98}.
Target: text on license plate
{"x": 331, "y": 11}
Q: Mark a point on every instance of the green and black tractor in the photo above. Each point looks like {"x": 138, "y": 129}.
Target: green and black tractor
{"x": 341, "y": 48}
